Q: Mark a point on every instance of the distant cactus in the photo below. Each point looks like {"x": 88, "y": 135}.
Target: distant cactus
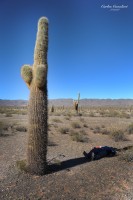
{"x": 76, "y": 103}
{"x": 36, "y": 79}
{"x": 52, "y": 108}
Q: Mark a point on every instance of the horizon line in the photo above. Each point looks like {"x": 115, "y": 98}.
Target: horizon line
{"x": 71, "y": 99}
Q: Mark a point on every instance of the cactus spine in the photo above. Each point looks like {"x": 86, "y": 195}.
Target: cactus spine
{"x": 36, "y": 79}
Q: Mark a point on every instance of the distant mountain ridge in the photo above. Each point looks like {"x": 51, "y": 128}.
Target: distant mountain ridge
{"x": 69, "y": 102}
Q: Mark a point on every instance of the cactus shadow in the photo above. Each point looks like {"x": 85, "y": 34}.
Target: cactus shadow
{"x": 66, "y": 165}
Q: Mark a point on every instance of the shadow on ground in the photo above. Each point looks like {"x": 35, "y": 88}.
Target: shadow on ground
{"x": 66, "y": 165}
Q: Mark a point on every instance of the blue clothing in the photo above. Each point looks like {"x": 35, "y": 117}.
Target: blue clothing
{"x": 100, "y": 152}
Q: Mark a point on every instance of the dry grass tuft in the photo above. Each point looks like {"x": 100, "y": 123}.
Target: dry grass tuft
{"x": 78, "y": 136}
{"x": 127, "y": 156}
{"x": 130, "y": 129}
{"x": 63, "y": 130}
{"x": 118, "y": 135}
{"x": 75, "y": 125}
{"x": 21, "y": 164}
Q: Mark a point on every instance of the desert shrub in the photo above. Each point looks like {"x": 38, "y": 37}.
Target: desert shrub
{"x": 8, "y": 115}
{"x": 78, "y": 137}
{"x": 85, "y": 125}
{"x": 82, "y": 131}
{"x": 68, "y": 117}
{"x": 118, "y": 135}
{"x": 105, "y": 132}
{"x": 24, "y": 112}
{"x": 91, "y": 114}
{"x": 102, "y": 113}
{"x": 1, "y": 129}
{"x": 125, "y": 115}
{"x": 114, "y": 113}
{"x": 82, "y": 119}
{"x": 21, "y": 164}
{"x": 97, "y": 129}
{"x": 4, "y": 129}
{"x": 2, "y": 110}
{"x": 130, "y": 129}
{"x": 127, "y": 156}
{"x": 64, "y": 130}
{"x": 69, "y": 114}
{"x": 79, "y": 114}
{"x": 57, "y": 114}
{"x": 75, "y": 125}
{"x": 56, "y": 120}
{"x": 13, "y": 110}
{"x": 21, "y": 128}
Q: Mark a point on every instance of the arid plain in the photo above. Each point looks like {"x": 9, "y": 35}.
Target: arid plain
{"x": 70, "y": 175}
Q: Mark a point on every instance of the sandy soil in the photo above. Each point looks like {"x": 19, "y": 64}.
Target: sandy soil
{"x": 71, "y": 177}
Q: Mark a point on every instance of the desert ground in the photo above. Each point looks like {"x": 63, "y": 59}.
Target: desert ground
{"x": 70, "y": 176}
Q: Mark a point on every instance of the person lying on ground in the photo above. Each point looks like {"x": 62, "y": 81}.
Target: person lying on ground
{"x": 100, "y": 152}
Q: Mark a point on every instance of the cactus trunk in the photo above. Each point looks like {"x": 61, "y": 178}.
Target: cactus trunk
{"x": 36, "y": 79}
{"x": 37, "y": 141}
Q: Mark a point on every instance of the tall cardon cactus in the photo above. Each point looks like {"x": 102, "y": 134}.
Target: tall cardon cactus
{"x": 76, "y": 103}
{"x": 36, "y": 80}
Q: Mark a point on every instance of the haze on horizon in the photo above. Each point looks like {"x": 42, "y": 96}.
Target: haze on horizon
{"x": 90, "y": 48}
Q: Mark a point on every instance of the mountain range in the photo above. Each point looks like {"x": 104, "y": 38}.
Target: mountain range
{"x": 69, "y": 102}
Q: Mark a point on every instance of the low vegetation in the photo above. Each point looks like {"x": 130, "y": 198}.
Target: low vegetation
{"x": 63, "y": 130}
{"x": 78, "y": 136}
{"x": 21, "y": 164}
{"x": 56, "y": 120}
{"x": 9, "y": 111}
{"x": 130, "y": 129}
{"x": 75, "y": 125}
{"x": 118, "y": 135}
{"x": 7, "y": 128}
{"x": 127, "y": 156}
{"x": 21, "y": 128}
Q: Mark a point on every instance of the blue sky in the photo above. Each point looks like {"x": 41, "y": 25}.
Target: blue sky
{"x": 90, "y": 48}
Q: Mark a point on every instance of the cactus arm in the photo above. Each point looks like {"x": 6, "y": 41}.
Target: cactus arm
{"x": 27, "y": 75}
